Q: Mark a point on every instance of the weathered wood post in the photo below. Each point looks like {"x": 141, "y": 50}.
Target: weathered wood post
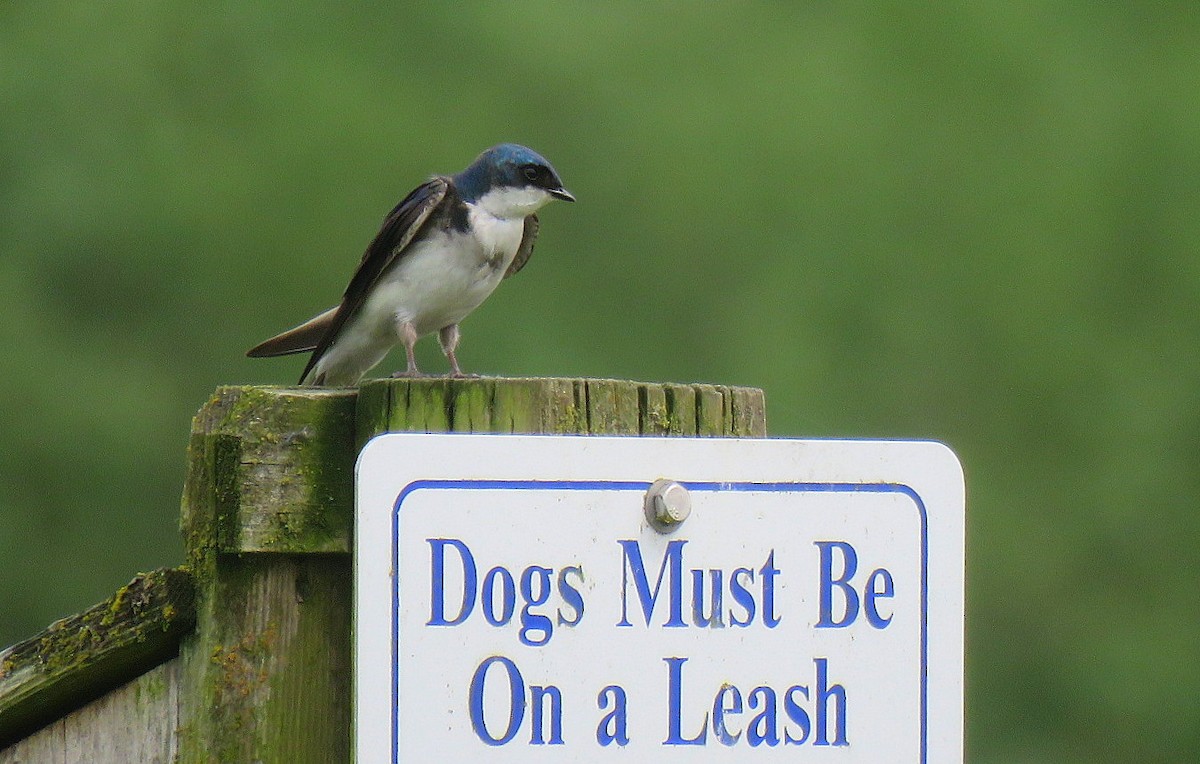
{"x": 267, "y": 520}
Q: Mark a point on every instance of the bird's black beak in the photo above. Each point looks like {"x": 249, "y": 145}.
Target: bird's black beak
{"x": 562, "y": 193}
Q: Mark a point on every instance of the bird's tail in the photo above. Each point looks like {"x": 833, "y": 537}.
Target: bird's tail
{"x": 300, "y": 339}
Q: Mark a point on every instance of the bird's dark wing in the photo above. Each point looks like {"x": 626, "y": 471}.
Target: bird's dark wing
{"x": 398, "y": 231}
{"x": 526, "y": 248}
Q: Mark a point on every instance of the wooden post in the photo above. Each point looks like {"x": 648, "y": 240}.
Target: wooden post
{"x": 267, "y": 519}
{"x": 267, "y": 499}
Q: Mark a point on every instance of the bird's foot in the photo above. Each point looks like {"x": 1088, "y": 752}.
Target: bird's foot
{"x": 408, "y": 374}
{"x": 462, "y": 375}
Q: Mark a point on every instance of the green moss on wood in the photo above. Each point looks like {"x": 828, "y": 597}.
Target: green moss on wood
{"x": 270, "y": 469}
{"x": 82, "y": 657}
{"x": 266, "y": 677}
{"x": 612, "y": 407}
{"x": 749, "y": 412}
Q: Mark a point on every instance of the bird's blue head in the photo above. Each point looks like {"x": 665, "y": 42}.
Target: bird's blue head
{"x": 511, "y": 168}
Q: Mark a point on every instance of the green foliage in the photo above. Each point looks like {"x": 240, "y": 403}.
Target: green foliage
{"x": 971, "y": 221}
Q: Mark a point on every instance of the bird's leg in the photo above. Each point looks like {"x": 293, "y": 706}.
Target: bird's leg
{"x": 448, "y": 337}
{"x": 408, "y": 336}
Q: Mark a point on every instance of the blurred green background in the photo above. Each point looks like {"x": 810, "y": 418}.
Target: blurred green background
{"x": 970, "y": 221}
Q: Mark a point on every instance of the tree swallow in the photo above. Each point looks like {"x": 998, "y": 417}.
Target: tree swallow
{"x": 438, "y": 256}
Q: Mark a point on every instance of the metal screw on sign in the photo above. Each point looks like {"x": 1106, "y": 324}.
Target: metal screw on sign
{"x": 667, "y": 505}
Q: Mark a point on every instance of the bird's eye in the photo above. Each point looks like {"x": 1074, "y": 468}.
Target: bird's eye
{"x": 530, "y": 171}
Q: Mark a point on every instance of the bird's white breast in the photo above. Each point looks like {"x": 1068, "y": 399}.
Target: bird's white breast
{"x": 444, "y": 277}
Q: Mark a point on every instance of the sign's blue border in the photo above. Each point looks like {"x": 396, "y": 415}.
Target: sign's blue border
{"x": 642, "y": 486}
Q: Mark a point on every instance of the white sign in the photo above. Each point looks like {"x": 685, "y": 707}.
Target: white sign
{"x": 513, "y": 603}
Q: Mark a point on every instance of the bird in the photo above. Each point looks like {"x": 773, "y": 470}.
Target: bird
{"x": 438, "y": 255}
